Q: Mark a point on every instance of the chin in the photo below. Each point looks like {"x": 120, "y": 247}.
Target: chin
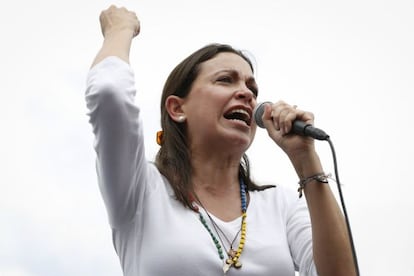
{"x": 241, "y": 139}
{"x": 243, "y": 142}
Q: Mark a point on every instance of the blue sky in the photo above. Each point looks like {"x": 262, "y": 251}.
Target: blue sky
{"x": 349, "y": 62}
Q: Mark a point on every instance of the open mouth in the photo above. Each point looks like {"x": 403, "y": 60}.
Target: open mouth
{"x": 239, "y": 114}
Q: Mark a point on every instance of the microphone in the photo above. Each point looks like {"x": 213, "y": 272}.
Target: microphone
{"x": 298, "y": 127}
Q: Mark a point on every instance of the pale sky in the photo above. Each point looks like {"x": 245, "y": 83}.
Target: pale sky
{"x": 349, "y": 62}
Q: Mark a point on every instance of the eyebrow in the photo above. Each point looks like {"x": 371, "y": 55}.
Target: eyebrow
{"x": 250, "y": 79}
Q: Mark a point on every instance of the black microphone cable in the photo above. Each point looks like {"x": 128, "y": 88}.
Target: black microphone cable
{"x": 341, "y": 196}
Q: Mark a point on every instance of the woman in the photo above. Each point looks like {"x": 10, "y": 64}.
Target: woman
{"x": 196, "y": 211}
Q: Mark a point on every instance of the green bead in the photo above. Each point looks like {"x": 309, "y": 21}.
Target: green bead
{"x": 233, "y": 260}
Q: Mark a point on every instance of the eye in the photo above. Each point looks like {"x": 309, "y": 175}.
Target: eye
{"x": 226, "y": 79}
{"x": 254, "y": 90}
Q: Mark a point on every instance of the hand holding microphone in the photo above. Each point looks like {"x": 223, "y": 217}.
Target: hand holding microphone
{"x": 298, "y": 127}
{"x": 302, "y": 128}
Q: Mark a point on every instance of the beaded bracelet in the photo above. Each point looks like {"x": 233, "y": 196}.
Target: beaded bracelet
{"x": 320, "y": 177}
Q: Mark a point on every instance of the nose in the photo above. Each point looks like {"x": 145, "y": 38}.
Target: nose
{"x": 244, "y": 93}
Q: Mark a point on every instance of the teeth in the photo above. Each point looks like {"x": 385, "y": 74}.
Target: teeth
{"x": 239, "y": 114}
{"x": 241, "y": 111}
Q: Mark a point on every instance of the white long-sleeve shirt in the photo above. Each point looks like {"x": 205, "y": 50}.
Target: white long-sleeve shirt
{"x": 153, "y": 233}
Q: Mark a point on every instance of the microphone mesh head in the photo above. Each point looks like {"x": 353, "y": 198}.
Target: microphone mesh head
{"x": 258, "y": 113}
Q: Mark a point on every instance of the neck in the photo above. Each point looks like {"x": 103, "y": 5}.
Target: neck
{"x": 216, "y": 184}
{"x": 216, "y": 175}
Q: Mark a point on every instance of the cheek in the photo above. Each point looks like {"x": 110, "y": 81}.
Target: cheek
{"x": 208, "y": 104}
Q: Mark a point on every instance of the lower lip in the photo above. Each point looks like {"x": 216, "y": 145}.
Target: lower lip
{"x": 239, "y": 122}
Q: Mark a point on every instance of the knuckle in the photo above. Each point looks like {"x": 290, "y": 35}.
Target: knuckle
{"x": 310, "y": 114}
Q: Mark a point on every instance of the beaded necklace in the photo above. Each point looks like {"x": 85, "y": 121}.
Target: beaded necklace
{"x": 232, "y": 255}
{"x": 217, "y": 229}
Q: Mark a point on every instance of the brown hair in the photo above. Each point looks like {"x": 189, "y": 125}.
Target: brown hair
{"x": 174, "y": 157}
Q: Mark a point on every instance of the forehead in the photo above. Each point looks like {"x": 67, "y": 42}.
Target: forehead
{"x": 226, "y": 61}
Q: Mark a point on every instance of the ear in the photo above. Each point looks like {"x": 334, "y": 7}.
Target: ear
{"x": 174, "y": 105}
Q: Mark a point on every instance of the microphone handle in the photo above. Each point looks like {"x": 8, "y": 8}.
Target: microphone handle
{"x": 304, "y": 129}
{"x": 298, "y": 127}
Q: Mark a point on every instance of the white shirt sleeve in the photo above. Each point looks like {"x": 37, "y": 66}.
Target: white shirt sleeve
{"x": 121, "y": 165}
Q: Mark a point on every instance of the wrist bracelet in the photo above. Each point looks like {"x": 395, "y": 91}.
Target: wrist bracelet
{"x": 320, "y": 177}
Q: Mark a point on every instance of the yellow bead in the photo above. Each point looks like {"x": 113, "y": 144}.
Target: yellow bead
{"x": 237, "y": 265}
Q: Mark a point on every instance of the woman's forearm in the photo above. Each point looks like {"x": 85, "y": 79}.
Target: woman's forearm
{"x": 331, "y": 245}
{"x": 115, "y": 44}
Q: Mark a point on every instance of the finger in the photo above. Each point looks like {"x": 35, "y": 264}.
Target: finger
{"x": 268, "y": 115}
{"x": 287, "y": 117}
{"x": 309, "y": 117}
{"x": 111, "y": 7}
{"x": 277, "y": 108}
{"x": 270, "y": 124}
{"x": 138, "y": 26}
{"x": 281, "y": 114}
{"x": 305, "y": 116}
